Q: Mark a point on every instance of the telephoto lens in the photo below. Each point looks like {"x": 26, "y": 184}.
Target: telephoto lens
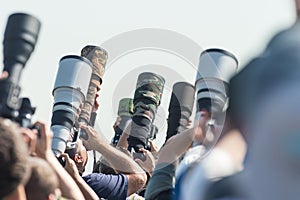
{"x": 147, "y": 98}
{"x": 98, "y": 57}
{"x": 20, "y": 37}
{"x": 180, "y": 108}
{"x": 70, "y": 89}
{"x": 216, "y": 67}
{"x": 125, "y": 111}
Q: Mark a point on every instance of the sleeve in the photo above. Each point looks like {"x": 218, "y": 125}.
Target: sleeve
{"x": 112, "y": 187}
{"x": 161, "y": 182}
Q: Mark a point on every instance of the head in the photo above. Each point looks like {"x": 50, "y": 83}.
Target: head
{"x": 14, "y": 166}
{"x": 79, "y": 155}
{"x": 43, "y": 182}
{"x": 298, "y": 7}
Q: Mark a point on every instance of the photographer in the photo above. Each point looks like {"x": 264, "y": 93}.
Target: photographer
{"x": 112, "y": 187}
{"x": 160, "y": 185}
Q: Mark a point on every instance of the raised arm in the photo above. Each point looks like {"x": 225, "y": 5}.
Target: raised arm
{"x": 118, "y": 160}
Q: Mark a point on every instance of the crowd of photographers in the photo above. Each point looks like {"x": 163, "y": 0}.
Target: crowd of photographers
{"x": 242, "y": 144}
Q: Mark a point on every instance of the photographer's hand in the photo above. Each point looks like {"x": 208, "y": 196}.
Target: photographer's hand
{"x": 73, "y": 171}
{"x": 43, "y": 147}
{"x": 117, "y": 122}
{"x": 200, "y": 123}
{"x": 93, "y": 139}
{"x": 30, "y": 138}
{"x": 153, "y": 148}
{"x": 149, "y": 163}
{"x": 123, "y": 142}
{"x": 3, "y": 75}
{"x": 70, "y": 166}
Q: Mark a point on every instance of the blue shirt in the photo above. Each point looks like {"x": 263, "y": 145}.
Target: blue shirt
{"x": 112, "y": 187}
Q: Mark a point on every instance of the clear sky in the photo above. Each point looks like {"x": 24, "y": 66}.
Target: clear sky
{"x": 242, "y": 27}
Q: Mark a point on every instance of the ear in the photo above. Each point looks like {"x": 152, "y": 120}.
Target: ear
{"x": 51, "y": 197}
{"x": 78, "y": 158}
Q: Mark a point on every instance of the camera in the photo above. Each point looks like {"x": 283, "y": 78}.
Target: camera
{"x": 215, "y": 69}
{"x": 180, "y": 107}
{"x": 70, "y": 89}
{"x": 125, "y": 111}
{"x": 147, "y": 98}
{"x": 20, "y": 38}
{"x": 98, "y": 57}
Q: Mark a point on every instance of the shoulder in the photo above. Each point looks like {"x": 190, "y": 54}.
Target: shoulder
{"x": 99, "y": 177}
{"x": 108, "y": 186}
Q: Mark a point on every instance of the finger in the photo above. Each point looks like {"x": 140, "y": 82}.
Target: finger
{"x": 152, "y": 145}
{"x": 143, "y": 150}
{"x": 88, "y": 129}
{"x": 3, "y": 75}
{"x": 84, "y": 126}
{"x": 66, "y": 157}
{"x": 146, "y": 152}
{"x": 42, "y": 128}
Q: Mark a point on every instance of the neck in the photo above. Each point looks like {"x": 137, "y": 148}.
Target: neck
{"x": 17, "y": 194}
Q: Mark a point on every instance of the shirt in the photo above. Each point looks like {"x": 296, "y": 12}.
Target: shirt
{"x": 111, "y": 187}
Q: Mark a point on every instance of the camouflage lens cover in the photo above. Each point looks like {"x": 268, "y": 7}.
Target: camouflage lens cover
{"x": 125, "y": 107}
{"x": 150, "y": 86}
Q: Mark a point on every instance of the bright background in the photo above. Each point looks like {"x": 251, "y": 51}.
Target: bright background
{"x": 242, "y": 27}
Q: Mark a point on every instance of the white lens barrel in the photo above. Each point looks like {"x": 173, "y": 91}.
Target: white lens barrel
{"x": 218, "y": 64}
{"x": 61, "y": 135}
{"x": 74, "y": 72}
{"x": 215, "y": 69}
{"x": 73, "y": 97}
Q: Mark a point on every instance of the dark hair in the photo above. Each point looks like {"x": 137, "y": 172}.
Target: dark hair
{"x": 14, "y": 169}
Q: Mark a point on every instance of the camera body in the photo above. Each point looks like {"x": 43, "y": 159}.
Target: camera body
{"x": 20, "y": 37}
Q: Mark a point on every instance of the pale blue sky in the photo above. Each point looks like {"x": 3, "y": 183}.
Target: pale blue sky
{"x": 242, "y": 27}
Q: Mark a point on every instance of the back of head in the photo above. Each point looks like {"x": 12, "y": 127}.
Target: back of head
{"x": 13, "y": 158}
{"x": 277, "y": 65}
{"x": 272, "y": 166}
{"x": 43, "y": 181}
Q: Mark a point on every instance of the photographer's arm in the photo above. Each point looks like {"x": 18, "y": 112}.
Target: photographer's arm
{"x": 120, "y": 161}
{"x": 73, "y": 171}
{"x": 161, "y": 182}
{"x": 43, "y": 149}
